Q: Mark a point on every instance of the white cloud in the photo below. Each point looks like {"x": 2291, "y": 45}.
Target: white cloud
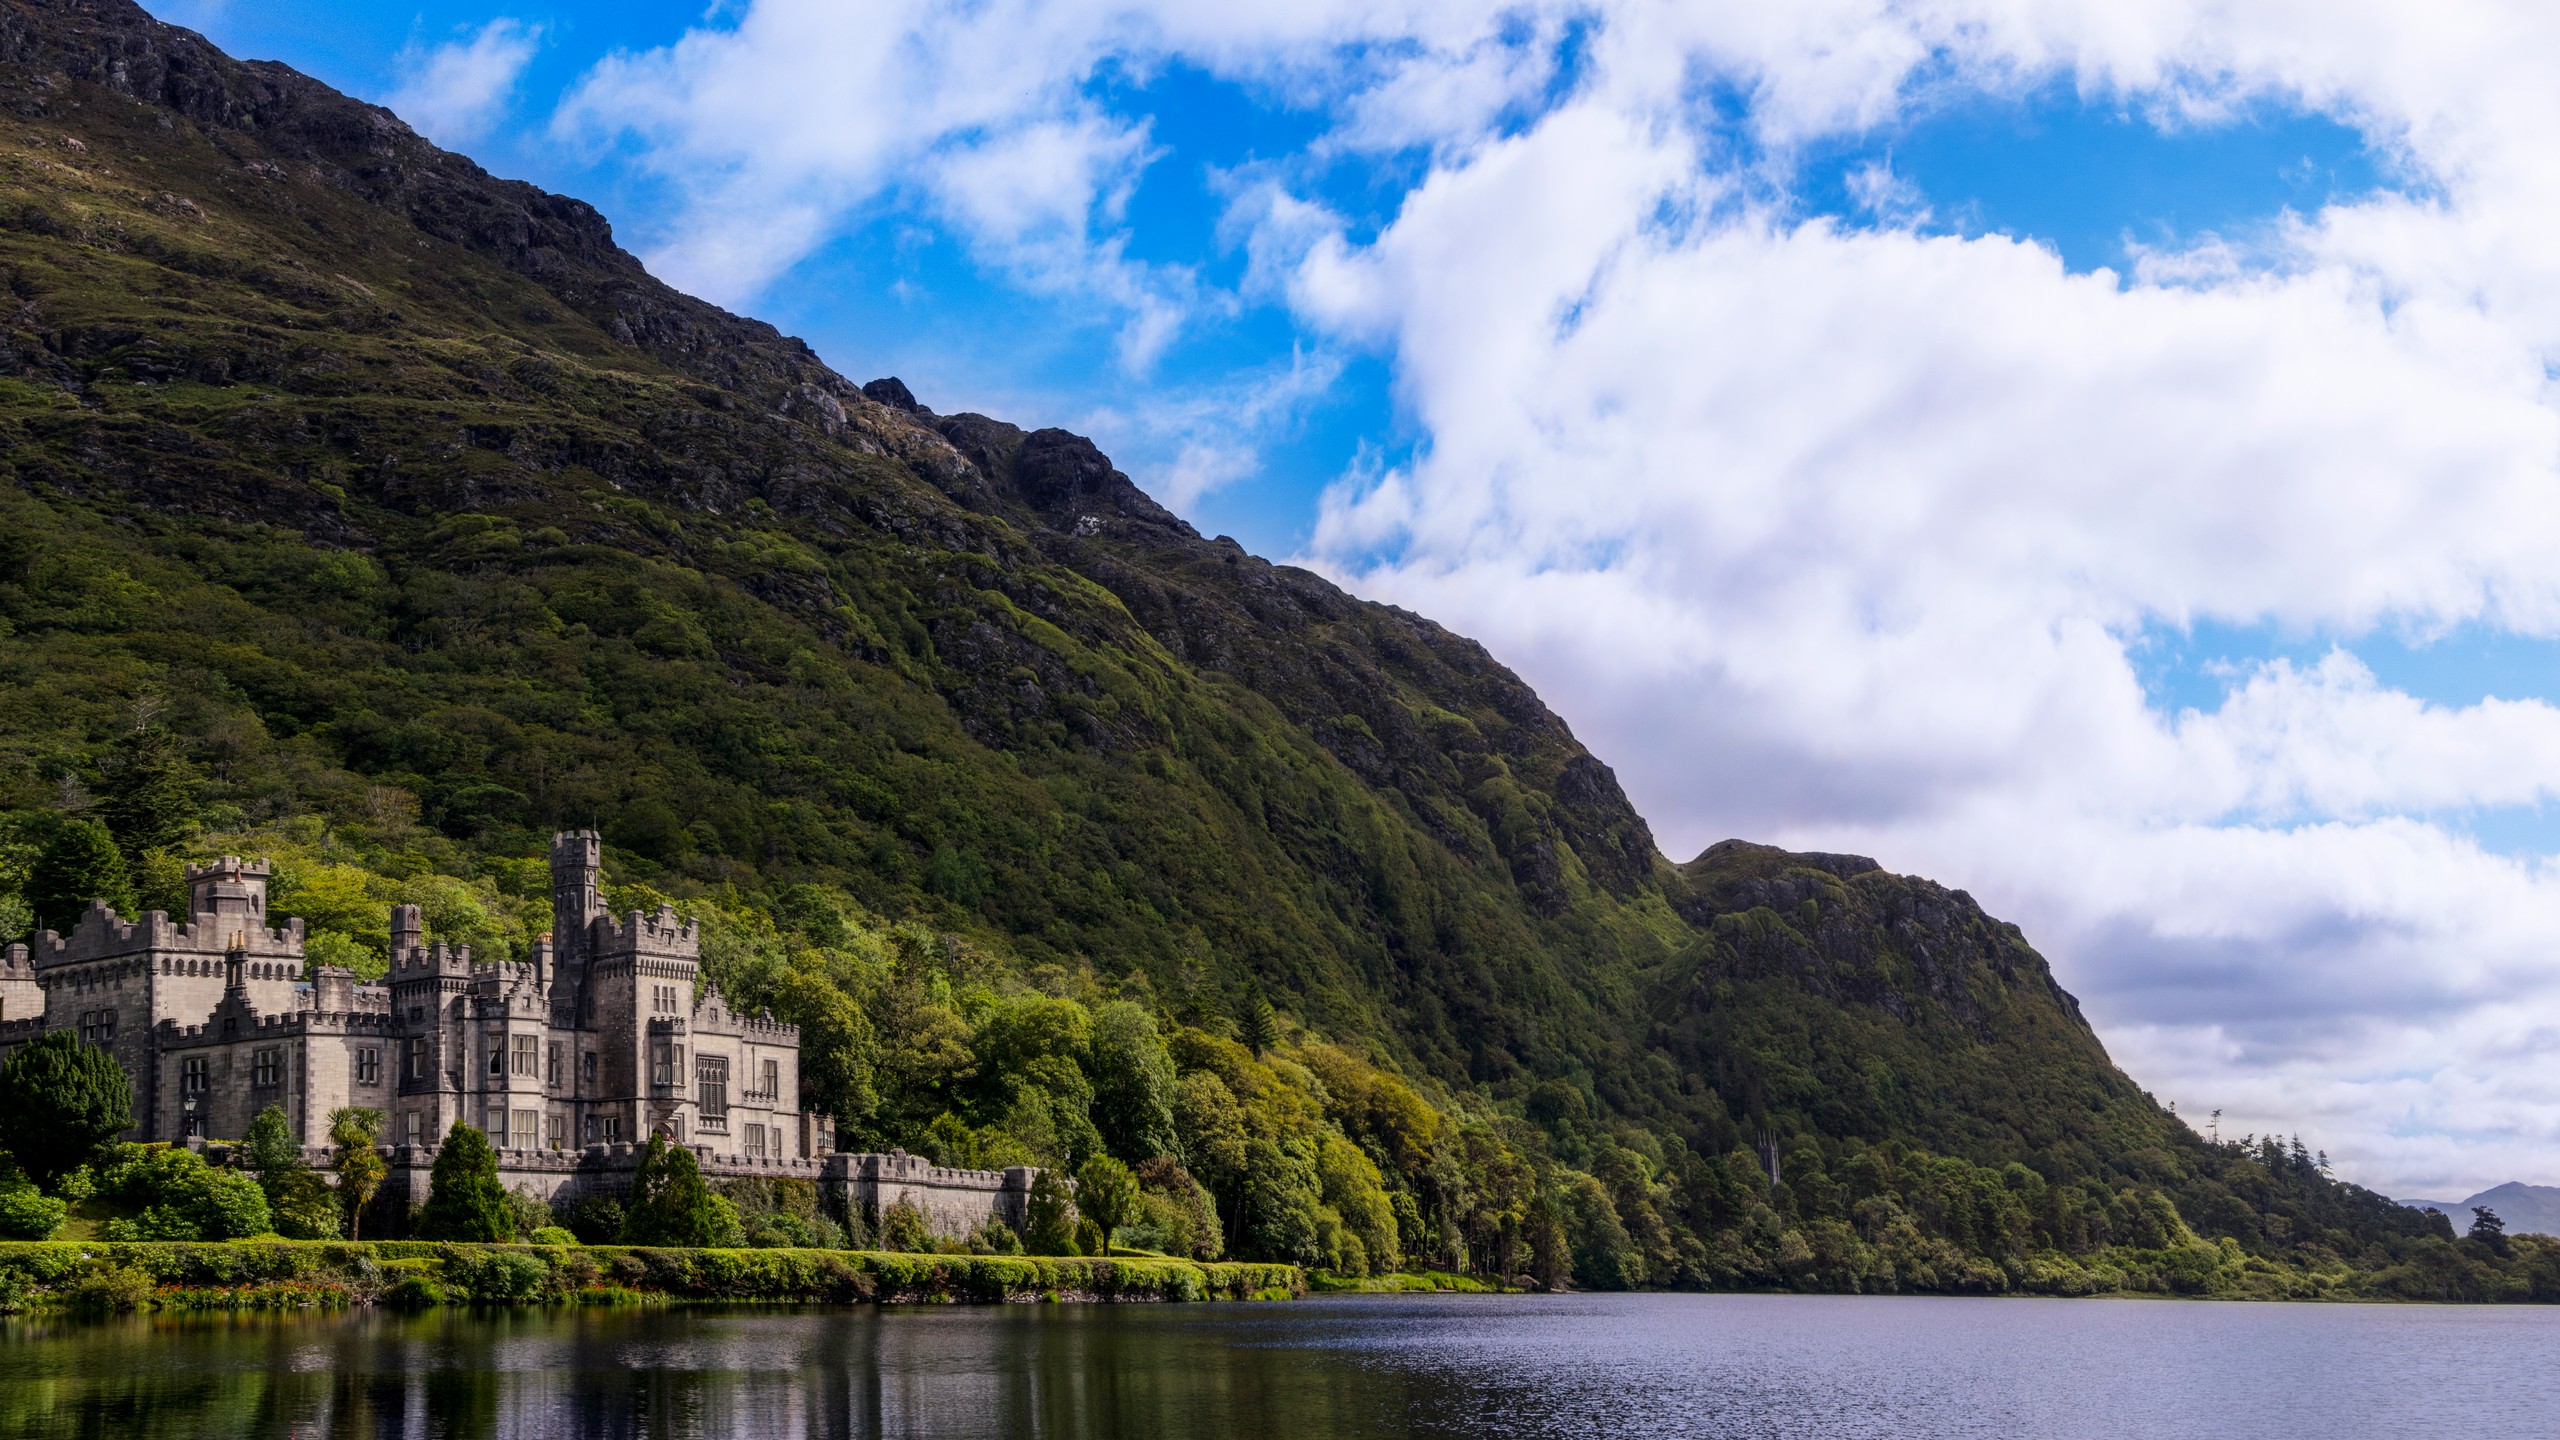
{"x": 455, "y": 92}
{"x": 1853, "y": 538}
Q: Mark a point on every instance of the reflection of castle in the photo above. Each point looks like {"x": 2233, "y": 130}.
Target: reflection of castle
{"x": 567, "y": 1061}
{"x": 605, "y": 1035}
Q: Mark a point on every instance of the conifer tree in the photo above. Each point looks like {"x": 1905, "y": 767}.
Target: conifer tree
{"x": 465, "y": 1202}
{"x": 1259, "y": 1024}
{"x": 148, "y": 796}
{"x": 59, "y": 1101}
{"x": 1049, "y": 1219}
{"x": 670, "y": 1204}
{"x": 78, "y": 864}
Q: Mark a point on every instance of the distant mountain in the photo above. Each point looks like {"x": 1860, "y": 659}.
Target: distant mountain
{"x": 2527, "y": 1209}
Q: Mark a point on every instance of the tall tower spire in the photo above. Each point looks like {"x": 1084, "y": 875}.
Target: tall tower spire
{"x": 577, "y": 872}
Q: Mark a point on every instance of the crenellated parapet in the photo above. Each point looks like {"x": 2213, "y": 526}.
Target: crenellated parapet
{"x": 101, "y": 934}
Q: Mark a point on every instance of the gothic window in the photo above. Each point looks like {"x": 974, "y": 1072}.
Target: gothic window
{"x": 528, "y": 1056}
{"x": 526, "y": 1132}
{"x": 587, "y": 1069}
{"x": 551, "y": 1073}
{"x": 497, "y": 1055}
{"x": 413, "y": 1062}
{"x": 755, "y": 1142}
{"x": 711, "y": 1076}
{"x": 97, "y": 1027}
{"x": 773, "y": 1081}
{"x": 555, "y": 1130}
{"x": 266, "y": 1068}
{"x": 368, "y": 1065}
{"x": 416, "y": 1122}
{"x": 194, "y": 1076}
{"x": 666, "y": 1064}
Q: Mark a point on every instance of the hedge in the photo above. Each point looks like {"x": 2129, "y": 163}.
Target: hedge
{"x": 303, "y": 1274}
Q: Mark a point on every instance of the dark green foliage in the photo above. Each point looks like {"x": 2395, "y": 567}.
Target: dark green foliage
{"x": 78, "y": 864}
{"x": 1258, "y": 1025}
{"x": 59, "y": 1101}
{"x": 270, "y": 1151}
{"x": 1107, "y": 1195}
{"x": 174, "y": 1195}
{"x": 1049, "y": 1217}
{"x": 355, "y": 1131}
{"x": 595, "y": 1220}
{"x": 902, "y": 1228}
{"x": 1133, "y": 1082}
{"x": 27, "y": 1213}
{"x": 464, "y": 1199}
{"x": 670, "y": 1203}
{"x": 147, "y": 798}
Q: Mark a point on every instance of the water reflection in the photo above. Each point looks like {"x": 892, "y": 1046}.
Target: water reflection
{"x": 1330, "y": 1370}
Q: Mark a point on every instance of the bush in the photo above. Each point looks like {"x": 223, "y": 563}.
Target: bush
{"x": 304, "y": 1207}
{"x": 902, "y": 1228}
{"x": 670, "y": 1204}
{"x": 28, "y": 1214}
{"x": 183, "y": 1198}
{"x": 109, "y": 1290}
{"x": 596, "y": 1220}
{"x": 413, "y": 1292}
{"x": 1049, "y": 1227}
{"x": 501, "y": 1277}
{"x": 552, "y": 1235}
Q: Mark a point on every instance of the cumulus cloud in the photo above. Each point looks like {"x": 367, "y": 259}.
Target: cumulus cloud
{"x": 455, "y": 92}
{"x": 1853, "y": 536}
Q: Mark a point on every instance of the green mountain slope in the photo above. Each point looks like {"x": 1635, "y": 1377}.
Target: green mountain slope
{"x": 396, "y": 516}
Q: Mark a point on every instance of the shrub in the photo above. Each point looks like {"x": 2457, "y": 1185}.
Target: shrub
{"x": 59, "y": 1101}
{"x": 501, "y": 1277}
{"x": 413, "y": 1292}
{"x": 551, "y": 1235}
{"x": 902, "y": 1228}
{"x": 108, "y": 1290}
{"x": 464, "y": 1199}
{"x": 670, "y": 1204}
{"x": 183, "y": 1198}
{"x": 304, "y": 1207}
{"x": 1049, "y": 1224}
{"x": 26, "y": 1213}
{"x": 596, "y": 1220}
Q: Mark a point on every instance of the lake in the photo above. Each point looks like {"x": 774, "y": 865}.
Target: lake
{"x": 1433, "y": 1366}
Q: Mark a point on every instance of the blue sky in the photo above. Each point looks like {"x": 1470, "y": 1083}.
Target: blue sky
{"x": 2109, "y": 467}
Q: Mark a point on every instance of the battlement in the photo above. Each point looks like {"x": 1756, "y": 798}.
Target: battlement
{"x": 436, "y": 959}
{"x": 101, "y": 934}
{"x": 664, "y": 933}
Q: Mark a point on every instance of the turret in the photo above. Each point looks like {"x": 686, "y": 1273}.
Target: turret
{"x": 231, "y": 890}
{"x": 577, "y": 893}
{"x": 408, "y": 935}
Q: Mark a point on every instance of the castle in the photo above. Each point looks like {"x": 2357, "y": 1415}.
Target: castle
{"x": 568, "y": 1061}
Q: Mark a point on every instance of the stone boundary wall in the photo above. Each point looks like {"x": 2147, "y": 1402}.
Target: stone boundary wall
{"x": 953, "y": 1202}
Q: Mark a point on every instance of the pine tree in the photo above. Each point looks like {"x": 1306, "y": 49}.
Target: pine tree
{"x": 59, "y": 1101}
{"x": 78, "y": 864}
{"x": 1259, "y": 1023}
{"x": 670, "y": 1204}
{"x": 465, "y": 1201}
{"x": 1049, "y": 1217}
{"x": 148, "y": 795}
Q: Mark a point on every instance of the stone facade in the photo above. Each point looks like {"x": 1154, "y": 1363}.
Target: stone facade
{"x": 568, "y": 1060}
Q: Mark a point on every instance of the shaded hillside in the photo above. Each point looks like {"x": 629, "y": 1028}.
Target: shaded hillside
{"x": 370, "y": 509}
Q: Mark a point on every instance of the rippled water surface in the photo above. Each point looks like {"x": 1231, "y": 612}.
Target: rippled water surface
{"x": 1641, "y": 1365}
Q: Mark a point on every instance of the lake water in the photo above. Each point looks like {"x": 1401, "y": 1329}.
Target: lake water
{"x": 1430, "y": 1366}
